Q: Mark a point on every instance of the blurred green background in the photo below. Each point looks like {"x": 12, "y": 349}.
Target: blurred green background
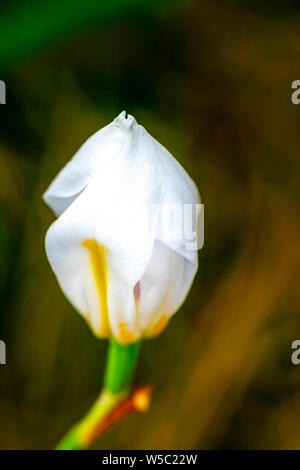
{"x": 211, "y": 81}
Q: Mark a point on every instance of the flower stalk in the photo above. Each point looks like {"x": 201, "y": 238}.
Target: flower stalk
{"x": 121, "y": 361}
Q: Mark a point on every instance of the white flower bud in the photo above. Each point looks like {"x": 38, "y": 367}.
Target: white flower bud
{"x": 126, "y": 277}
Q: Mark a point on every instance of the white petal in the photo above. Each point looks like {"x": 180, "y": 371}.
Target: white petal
{"x": 163, "y": 182}
{"x": 93, "y": 155}
{"x": 122, "y": 310}
{"x": 163, "y": 287}
{"x": 125, "y": 239}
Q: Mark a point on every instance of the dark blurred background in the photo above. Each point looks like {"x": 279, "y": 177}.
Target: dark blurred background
{"x": 211, "y": 81}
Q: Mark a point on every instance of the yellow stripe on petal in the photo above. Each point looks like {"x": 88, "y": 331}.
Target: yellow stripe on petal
{"x": 99, "y": 269}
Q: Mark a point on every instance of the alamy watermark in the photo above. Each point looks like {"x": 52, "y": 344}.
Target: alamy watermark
{"x": 175, "y": 221}
{"x": 2, "y": 352}
{"x": 2, "y": 92}
{"x": 295, "y": 96}
{"x": 295, "y": 357}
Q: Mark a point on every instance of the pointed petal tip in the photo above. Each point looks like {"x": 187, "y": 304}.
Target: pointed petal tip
{"x": 125, "y": 121}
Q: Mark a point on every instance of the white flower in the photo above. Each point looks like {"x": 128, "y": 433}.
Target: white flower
{"x": 125, "y": 278}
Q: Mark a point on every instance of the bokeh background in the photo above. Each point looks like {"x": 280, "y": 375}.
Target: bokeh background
{"x": 211, "y": 80}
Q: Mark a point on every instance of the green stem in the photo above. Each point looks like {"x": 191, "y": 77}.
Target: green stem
{"x": 121, "y": 361}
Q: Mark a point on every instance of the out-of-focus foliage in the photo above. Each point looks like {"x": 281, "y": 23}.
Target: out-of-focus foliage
{"x": 212, "y": 83}
{"x": 29, "y": 25}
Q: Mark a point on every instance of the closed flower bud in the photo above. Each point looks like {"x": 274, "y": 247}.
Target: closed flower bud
{"x": 124, "y": 274}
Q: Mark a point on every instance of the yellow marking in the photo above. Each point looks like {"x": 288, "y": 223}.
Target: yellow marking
{"x": 125, "y": 336}
{"x": 159, "y": 326}
{"x": 99, "y": 269}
